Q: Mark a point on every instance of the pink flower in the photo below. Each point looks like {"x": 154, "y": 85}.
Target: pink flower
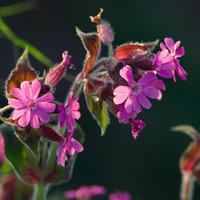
{"x": 136, "y": 127}
{"x": 134, "y": 95}
{"x": 85, "y": 192}
{"x": 57, "y": 73}
{"x": 28, "y": 106}
{"x": 120, "y": 196}
{"x": 167, "y": 61}
{"x": 124, "y": 117}
{"x": 2, "y": 149}
{"x": 70, "y": 112}
{"x": 70, "y": 146}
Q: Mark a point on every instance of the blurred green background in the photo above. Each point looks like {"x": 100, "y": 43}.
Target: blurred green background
{"x": 149, "y": 166}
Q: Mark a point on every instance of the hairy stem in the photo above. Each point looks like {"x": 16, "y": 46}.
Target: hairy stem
{"x": 187, "y": 187}
{"x": 110, "y": 49}
{"x": 40, "y": 191}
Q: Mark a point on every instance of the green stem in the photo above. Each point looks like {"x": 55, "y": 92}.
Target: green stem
{"x": 40, "y": 191}
{"x": 187, "y": 187}
{"x": 2, "y": 110}
{"x": 6, "y": 11}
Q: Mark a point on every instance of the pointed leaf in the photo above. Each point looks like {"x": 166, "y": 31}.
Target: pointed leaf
{"x": 187, "y": 129}
{"x": 99, "y": 111}
{"x": 91, "y": 43}
{"x": 22, "y": 72}
{"x": 20, "y": 157}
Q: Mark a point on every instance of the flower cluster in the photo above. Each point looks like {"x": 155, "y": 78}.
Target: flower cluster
{"x": 90, "y": 192}
{"x": 34, "y": 106}
{"x": 138, "y": 80}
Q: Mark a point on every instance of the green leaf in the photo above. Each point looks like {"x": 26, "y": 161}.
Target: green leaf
{"x": 20, "y": 157}
{"x": 187, "y": 129}
{"x": 5, "y": 168}
{"x": 99, "y": 111}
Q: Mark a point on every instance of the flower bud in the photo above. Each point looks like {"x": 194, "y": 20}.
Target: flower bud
{"x": 57, "y": 73}
{"x": 48, "y": 133}
{"x": 105, "y": 32}
{"x": 104, "y": 29}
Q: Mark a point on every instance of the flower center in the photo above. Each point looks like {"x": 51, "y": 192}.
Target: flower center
{"x": 136, "y": 89}
{"x": 68, "y": 111}
{"x": 31, "y": 104}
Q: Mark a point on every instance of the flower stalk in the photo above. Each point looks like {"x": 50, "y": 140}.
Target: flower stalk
{"x": 40, "y": 191}
{"x": 5, "y": 108}
{"x": 187, "y": 186}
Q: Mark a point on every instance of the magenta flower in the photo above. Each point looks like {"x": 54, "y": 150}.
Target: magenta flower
{"x": 85, "y": 192}
{"x": 166, "y": 61}
{"x": 136, "y": 127}
{"x": 2, "y": 149}
{"x": 70, "y": 112}
{"x": 69, "y": 146}
{"x": 135, "y": 95}
{"x": 28, "y": 106}
{"x": 120, "y": 196}
{"x": 124, "y": 117}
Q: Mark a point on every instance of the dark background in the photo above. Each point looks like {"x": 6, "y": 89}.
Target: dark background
{"x": 149, "y": 166}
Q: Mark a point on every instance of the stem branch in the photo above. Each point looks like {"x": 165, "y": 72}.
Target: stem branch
{"x": 40, "y": 191}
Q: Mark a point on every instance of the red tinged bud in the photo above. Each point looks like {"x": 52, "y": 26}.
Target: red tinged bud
{"x": 56, "y": 74}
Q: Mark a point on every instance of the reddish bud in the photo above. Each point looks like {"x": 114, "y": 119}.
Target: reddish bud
{"x": 48, "y": 133}
{"x": 136, "y": 54}
{"x": 104, "y": 29}
{"x": 105, "y": 32}
{"x": 57, "y": 73}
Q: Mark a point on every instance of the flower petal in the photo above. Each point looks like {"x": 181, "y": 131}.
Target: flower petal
{"x": 170, "y": 44}
{"x": 76, "y": 145}
{"x": 148, "y": 79}
{"x": 121, "y": 93}
{"x": 76, "y": 114}
{"x": 26, "y": 89}
{"x": 17, "y": 93}
{"x": 127, "y": 74}
{"x": 34, "y": 121}
{"x": 44, "y": 117}
{"x": 128, "y": 104}
{"x": 14, "y": 103}
{"x": 181, "y": 72}
{"x": 136, "y": 106}
{"x": 151, "y": 92}
{"x": 75, "y": 105}
{"x": 35, "y": 88}
{"x": 18, "y": 113}
{"x": 180, "y": 52}
{"x": 48, "y": 97}
{"x": 144, "y": 101}
{"x": 24, "y": 119}
{"x": 46, "y": 107}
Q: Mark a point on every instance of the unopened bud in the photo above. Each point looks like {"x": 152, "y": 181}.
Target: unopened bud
{"x": 57, "y": 73}
{"x": 104, "y": 29}
{"x": 105, "y": 32}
